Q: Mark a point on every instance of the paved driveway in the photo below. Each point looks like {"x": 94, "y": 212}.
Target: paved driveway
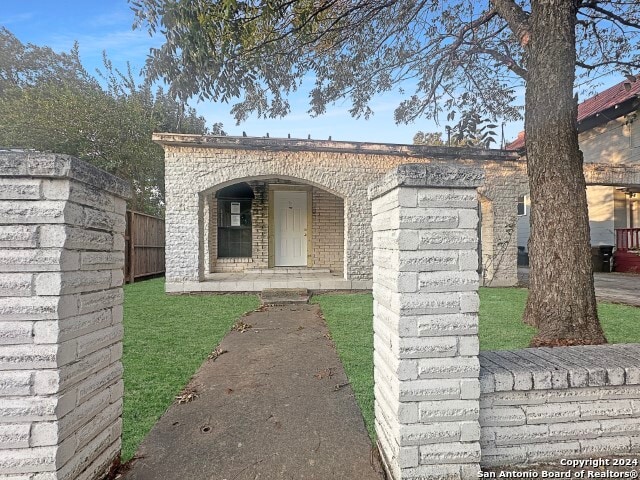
{"x": 610, "y": 287}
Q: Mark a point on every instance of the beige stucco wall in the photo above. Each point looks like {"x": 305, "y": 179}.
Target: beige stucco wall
{"x": 615, "y": 142}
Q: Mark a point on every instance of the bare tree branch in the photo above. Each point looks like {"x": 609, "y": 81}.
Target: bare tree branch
{"x": 516, "y": 17}
{"x": 509, "y": 62}
{"x": 611, "y": 15}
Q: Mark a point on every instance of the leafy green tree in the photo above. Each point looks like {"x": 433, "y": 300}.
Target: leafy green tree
{"x": 428, "y": 138}
{"x": 459, "y": 55}
{"x": 471, "y": 131}
{"x": 48, "y": 102}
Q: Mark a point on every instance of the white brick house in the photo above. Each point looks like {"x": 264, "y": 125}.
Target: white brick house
{"x": 257, "y": 205}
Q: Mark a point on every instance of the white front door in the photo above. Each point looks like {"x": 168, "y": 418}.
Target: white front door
{"x": 290, "y": 222}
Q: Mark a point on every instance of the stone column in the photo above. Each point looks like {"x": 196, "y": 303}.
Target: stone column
{"x": 61, "y": 270}
{"x": 425, "y": 283}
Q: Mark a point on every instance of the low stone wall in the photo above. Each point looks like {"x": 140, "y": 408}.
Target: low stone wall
{"x": 542, "y": 404}
{"x": 61, "y": 258}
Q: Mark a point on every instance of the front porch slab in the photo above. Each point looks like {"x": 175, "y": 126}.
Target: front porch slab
{"x": 257, "y": 282}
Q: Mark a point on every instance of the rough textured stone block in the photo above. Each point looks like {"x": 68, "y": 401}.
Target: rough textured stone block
{"x": 74, "y": 238}
{"x": 28, "y": 357}
{"x": 605, "y": 409}
{"x": 502, "y": 416}
{"x": 448, "y": 282}
{"x": 18, "y": 236}
{"x": 38, "y": 308}
{"x": 25, "y": 409}
{"x": 521, "y": 434}
{"x": 101, "y": 260}
{"x": 416, "y": 390}
{"x": 20, "y": 189}
{"x": 553, "y": 413}
{"x": 603, "y": 447}
{"x": 56, "y": 283}
{"x": 98, "y": 381}
{"x": 447, "y": 198}
{"x": 24, "y": 460}
{"x": 14, "y": 435}
{"x": 15, "y": 383}
{"x": 450, "y": 453}
{"x": 13, "y": 333}
{"x": 448, "y": 411}
{"x": 457, "y": 239}
{"x": 38, "y": 260}
{"x": 455, "y": 367}
{"x": 444, "y": 325}
{"x": 427, "y": 347}
{"x": 429, "y": 433}
{"x": 91, "y": 302}
{"x": 574, "y": 431}
{"x": 16, "y": 212}
{"x": 15, "y": 284}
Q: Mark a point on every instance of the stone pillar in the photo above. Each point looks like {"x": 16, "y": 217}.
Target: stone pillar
{"x": 61, "y": 270}
{"x": 425, "y": 283}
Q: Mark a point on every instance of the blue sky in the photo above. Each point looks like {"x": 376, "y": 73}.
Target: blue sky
{"x": 107, "y": 25}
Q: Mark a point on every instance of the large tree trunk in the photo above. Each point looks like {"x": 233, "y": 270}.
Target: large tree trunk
{"x": 561, "y": 301}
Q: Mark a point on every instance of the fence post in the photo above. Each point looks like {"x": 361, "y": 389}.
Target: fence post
{"x": 62, "y": 248}
{"x": 425, "y": 281}
{"x": 132, "y": 246}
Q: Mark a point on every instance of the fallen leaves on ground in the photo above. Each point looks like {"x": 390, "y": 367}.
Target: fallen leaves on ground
{"x": 326, "y": 373}
{"x": 241, "y": 327}
{"x": 216, "y": 353}
{"x": 189, "y": 394}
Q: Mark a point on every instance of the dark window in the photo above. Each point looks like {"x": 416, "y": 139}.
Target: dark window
{"x": 522, "y": 205}
{"x": 234, "y": 221}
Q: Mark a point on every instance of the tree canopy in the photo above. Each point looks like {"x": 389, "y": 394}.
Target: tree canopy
{"x": 455, "y": 55}
{"x": 49, "y": 102}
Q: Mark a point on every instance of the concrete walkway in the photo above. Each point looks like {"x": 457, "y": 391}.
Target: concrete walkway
{"x": 276, "y": 405}
{"x": 610, "y": 287}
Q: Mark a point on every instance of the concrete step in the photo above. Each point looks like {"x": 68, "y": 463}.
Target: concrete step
{"x": 284, "y": 296}
{"x": 287, "y": 270}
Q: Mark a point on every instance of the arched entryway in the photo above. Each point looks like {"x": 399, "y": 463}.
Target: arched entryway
{"x": 271, "y": 224}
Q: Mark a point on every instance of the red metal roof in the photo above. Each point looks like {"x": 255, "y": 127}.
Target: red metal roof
{"x": 600, "y": 102}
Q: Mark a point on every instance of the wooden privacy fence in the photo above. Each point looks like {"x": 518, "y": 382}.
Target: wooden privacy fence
{"x": 144, "y": 246}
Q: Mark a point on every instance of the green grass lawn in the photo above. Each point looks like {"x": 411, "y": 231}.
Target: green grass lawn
{"x": 501, "y": 328}
{"x": 166, "y": 339}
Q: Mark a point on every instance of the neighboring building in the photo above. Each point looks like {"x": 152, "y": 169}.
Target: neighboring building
{"x": 609, "y": 133}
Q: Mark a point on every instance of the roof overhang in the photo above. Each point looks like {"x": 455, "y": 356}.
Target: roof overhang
{"x": 610, "y": 114}
{"x": 302, "y": 145}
